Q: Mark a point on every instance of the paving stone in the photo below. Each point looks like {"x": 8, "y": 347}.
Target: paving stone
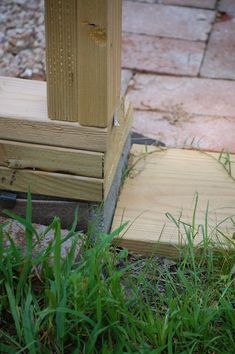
{"x": 203, "y": 132}
{"x": 227, "y": 6}
{"x": 198, "y": 96}
{"x": 203, "y": 4}
{"x": 161, "y": 55}
{"x": 167, "y": 21}
{"x": 219, "y": 61}
{"x": 206, "y": 4}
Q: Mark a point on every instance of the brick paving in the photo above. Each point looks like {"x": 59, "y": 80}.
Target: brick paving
{"x": 182, "y": 56}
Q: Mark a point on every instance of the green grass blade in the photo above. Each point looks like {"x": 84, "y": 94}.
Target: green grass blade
{"x": 14, "y": 310}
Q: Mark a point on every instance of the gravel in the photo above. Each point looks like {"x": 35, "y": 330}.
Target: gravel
{"x": 22, "y": 39}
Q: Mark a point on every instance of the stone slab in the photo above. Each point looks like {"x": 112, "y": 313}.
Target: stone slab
{"x": 219, "y": 61}
{"x": 188, "y": 96}
{"x": 201, "y": 132}
{"x": 161, "y": 55}
{"x": 17, "y": 233}
{"x": 227, "y": 6}
{"x": 167, "y": 21}
{"x": 203, "y": 4}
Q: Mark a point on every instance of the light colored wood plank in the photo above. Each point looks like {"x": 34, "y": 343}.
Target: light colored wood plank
{"x": 117, "y": 136}
{"x": 167, "y": 181}
{"x": 62, "y": 59}
{"x": 52, "y": 184}
{"x": 18, "y": 155}
{"x": 114, "y": 56}
{"x": 24, "y": 117}
{"x": 83, "y": 59}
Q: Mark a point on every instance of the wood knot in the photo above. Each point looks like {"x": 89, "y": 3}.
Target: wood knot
{"x": 96, "y": 33}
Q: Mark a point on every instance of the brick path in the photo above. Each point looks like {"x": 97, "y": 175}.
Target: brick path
{"x": 181, "y": 54}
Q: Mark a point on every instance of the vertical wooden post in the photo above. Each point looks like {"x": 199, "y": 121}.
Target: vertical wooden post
{"x": 83, "y": 52}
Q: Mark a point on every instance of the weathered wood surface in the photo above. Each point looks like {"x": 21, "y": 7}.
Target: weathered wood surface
{"x": 24, "y": 117}
{"x": 19, "y": 155}
{"x": 117, "y": 136}
{"x": 52, "y": 184}
{"x": 166, "y": 182}
{"x": 83, "y": 51}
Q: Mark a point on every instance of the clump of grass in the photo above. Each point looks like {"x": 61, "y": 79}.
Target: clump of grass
{"x": 104, "y": 303}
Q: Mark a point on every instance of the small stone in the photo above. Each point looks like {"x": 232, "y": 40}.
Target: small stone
{"x": 41, "y": 20}
{"x": 20, "y": 43}
{"x": 27, "y": 73}
{"x": 20, "y": 2}
{"x": 36, "y": 71}
{"x": 2, "y": 37}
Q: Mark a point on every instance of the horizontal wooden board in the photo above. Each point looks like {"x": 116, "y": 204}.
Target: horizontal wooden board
{"x": 166, "y": 181}
{"x": 52, "y": 184}
{"x": 24, "y": 117}
{"x": 19, "y": 155}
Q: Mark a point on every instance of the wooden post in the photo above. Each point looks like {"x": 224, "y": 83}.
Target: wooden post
{"x": 83, "y": 51}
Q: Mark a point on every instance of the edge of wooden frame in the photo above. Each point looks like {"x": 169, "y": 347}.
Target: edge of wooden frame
{"x": 18, "y": 155}
{"x": 24, "y": 117}
{"x": 117, "y": 138}
{"x": 51, "y": 184}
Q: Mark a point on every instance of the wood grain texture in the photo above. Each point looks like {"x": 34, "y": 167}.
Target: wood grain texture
{"x": 18, "y": 155}
{"x": 117, "y": 136}
{"x": 24, "y": 117}
{"x": 166, "y": 182}
{"x": 114, "y": 56}
{"x": 62, "y": 59}
{"x": 83, "y": 46}
{"x": 52, "y": 184}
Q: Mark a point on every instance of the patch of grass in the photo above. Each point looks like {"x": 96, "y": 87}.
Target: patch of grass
{"x": 108, "y": 302}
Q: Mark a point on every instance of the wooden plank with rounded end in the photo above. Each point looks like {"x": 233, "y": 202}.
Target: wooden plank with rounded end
{"x": 162, "y": 187}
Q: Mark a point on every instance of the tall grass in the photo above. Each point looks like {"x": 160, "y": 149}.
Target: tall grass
{"x": 102, "y": 302}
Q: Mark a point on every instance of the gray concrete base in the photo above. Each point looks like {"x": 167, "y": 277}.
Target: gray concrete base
{"x": 96, "y": 215}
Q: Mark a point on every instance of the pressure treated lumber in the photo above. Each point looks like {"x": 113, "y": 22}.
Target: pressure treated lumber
{"x": 166, "y": 181}
{"x": 17, "y": 155}
{"x": 24, "y": 117}
{"x": 117, "y": 137}
{"x": 52, "y": 184}
{"x": 83, "y": 46}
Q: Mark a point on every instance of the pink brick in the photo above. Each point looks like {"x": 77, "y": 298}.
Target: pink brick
{"x": 167, "y": 21}
{"x": 219, "y": 60}
{"x": 227, "y": 6}
{"x": 206, "y": 4}
{"x": 198, "y": 96}
{"x": 204, "y": 132}
{"x": 161, "y": 55}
